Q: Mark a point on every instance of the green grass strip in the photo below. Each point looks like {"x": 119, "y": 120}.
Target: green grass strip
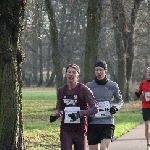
{"x": 39, "y": 134}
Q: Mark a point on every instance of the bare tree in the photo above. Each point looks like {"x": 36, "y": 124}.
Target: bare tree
{"x": 54, "y": 42}
{"x": 11, "y": 56}
{"x": 92, "y": 33}
{"x": 124, "y": 35}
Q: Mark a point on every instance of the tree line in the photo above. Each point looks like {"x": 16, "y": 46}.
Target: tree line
{"x": 38, "y": 38}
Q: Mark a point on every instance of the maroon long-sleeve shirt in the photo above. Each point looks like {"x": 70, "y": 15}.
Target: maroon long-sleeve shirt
{"x": 81, "y": 96}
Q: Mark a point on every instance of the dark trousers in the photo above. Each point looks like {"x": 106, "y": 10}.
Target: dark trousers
{"x": 79, "y": 140}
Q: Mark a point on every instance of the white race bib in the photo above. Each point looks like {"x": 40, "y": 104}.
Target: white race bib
{"x": 104, "y": 108}
{"x": 70, "y": 110}
{"x": 147, "y": 96}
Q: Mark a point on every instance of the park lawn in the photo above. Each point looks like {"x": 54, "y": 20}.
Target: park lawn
{"x": 39, "y": 134}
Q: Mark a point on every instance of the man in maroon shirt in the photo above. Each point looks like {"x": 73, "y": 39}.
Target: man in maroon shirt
{"x": 75, "y": 103}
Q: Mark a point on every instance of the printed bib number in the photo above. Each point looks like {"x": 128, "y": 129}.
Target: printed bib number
{"x": 70, "y": 110}
{"x": 104, "y": 108}
{"x": 147, "y": 96}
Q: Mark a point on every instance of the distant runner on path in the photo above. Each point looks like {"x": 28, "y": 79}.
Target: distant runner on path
{"x": 144, "y": 91}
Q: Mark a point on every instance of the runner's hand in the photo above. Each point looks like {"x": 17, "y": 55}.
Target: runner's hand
{"x": 53, "y": 118}
{"x": 113, "y": 110}
{"x": 95, "y": 109}
{"x": 137, "y": 94}
{"x": 74, "y": 116}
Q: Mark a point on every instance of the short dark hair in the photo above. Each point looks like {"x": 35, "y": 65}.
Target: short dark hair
{"x": 101, "y": 64}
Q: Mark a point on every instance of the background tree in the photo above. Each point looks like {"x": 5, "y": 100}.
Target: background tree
{"x": 75, "y": 34}
{"x": 11, "y": 56}
{"x": 54, "y": 42}
{"x": 70, "y": 18}
{"x": 124, "y": 36}
{"x": 92, "y": 34}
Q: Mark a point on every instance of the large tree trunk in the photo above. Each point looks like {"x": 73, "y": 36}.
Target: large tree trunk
{"x": 124, "y": 34}
{"x": 92, "y": 32}
{"x": 11, "y": 125}
{"x": 120, "y": 36}
{"x": 54, "y": 42}
{"x": 130, "y": 47}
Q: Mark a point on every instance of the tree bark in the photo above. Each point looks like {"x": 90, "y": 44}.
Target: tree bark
{"x": 92, "y": 32}
{"x": 11, "y": 57}
{"x": 120, "y": 33}
{"x": 54, "y": 42}
{"x": 124, "y": 34}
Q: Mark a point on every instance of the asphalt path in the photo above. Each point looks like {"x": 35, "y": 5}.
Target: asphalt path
{"x": 132, "y": 140}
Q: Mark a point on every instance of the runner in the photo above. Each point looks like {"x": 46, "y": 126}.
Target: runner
{"x": 106, "y": 92}
{"x": 75, "y": 102}
{"x": 144, "y": 90}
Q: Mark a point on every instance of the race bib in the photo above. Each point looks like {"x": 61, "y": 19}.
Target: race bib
{"x": 147, "y": 96}
{"x": 104, "y": 108}
{"x": 70, "y": 110}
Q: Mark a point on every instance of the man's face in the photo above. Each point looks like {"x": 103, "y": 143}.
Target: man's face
{"x": 100, "y": 73}
{"x": 72, "y": 75}
{"x": 148, "y": 74}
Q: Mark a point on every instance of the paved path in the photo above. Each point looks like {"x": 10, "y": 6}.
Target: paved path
{"x": 133, "y": 140}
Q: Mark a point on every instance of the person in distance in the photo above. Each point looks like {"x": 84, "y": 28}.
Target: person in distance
{"x": 144, "y": 91}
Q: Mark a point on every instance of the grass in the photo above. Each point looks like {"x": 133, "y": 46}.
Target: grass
{"x": 128, "y": 117}
{"x": 38, "y": 104}
{"x": 39, "y": 134}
